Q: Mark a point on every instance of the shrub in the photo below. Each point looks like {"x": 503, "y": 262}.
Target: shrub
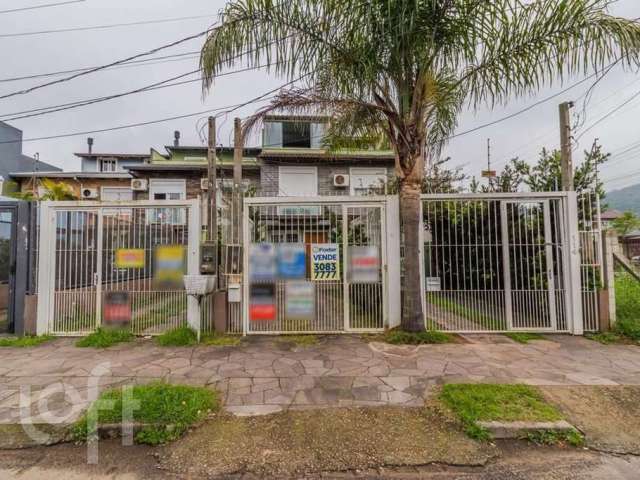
{"x": 178, "y": 337}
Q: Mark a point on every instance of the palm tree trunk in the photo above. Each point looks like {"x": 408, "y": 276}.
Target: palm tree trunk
{"x": 412, "y": 316}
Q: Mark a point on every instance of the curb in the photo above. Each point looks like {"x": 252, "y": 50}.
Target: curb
{"x": 15, "y": 436}
{"x": 510, "y": 430}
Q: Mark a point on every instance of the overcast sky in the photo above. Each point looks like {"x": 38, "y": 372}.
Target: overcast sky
{"x": 521, "y": 136}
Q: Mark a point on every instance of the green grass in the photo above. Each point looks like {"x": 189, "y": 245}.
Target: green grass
{"x": 167, "y": 410}
{"x": 605, "y": 338}
{"x": 627, "y": 306}
{"x": 220, "y": 340}
{"x": 484, "y": 402}
{"x": 552, "y": 437}
{"x": 627, "y": 326}
{"x": 523, "y": 337}
{"x": 104, "y": 338}
{"x": 178, "y": 337}
{"x": 24, "y": 342}
{"x": 300, "y": 340}
{"x": 400, "y": 337}
{"x": 465, "y": 311}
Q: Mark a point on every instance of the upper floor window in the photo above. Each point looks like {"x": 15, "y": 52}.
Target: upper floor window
{"x": 108, "y": 164}
{"x": 293, "y": 134}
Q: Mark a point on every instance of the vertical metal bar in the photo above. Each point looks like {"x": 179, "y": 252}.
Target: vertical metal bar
{"x": 506, "y": 264}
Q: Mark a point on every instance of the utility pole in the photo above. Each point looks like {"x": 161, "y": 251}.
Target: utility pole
{"x": 212, "y": 224}
{"x": 489, "y": 159}
{"x": 36, "y": 159}
{"x": 565, "y": 146}
{"x": 238, "y": 151}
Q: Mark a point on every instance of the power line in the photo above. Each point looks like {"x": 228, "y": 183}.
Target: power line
{"x": 520, "y": 112}
{"x": 45, "y": 5}
{"x": 104, "y": 27}
{"x": 608, "y": 114}
{"x": 103, "y": 67}
{"x": 134, "y": 63}
{"x": 227, "y": 109}
{"x": 82, "y": 103}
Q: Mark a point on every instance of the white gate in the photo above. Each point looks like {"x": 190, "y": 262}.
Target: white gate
{"x": 318, "y": 265}
{"x": 501, "y": 262}
{"x": 92, "y": 253}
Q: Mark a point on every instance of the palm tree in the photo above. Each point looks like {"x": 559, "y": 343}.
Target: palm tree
{"x": 407, "y": 68}
{"x": 56, "y": 191}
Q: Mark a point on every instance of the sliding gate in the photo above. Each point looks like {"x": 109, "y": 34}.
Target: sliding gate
{"x": 499, "y": 262}
{"x": 116, "y": 260}
{"x": 314, "y": 265}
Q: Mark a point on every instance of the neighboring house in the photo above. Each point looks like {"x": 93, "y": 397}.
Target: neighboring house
{"x": 12, "y": 159}
{"x": 607, "y": 218}
{"x": 631, "y": 244}
{"x": 181, "y": 173}
{"x": 103, "y": 176}
{"x": 295, "y": 163}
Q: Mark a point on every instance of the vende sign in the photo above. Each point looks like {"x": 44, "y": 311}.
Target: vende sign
{"x": 325, "y": 261}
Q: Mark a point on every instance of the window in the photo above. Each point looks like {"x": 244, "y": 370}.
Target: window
{"x": 108, "y": 164}
{"x": 116, "y": 194}
{"x": 296, "y": 135}
{"x": 298, "y": 181}
{"x": 365, "y": 181}
{"x": 168, "y": 190}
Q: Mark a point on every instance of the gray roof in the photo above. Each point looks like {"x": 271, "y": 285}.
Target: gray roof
{"x": 39, "y": 174}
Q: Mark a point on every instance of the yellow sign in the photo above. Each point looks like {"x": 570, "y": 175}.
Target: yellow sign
{"x": 130, "y": 258}
{"x": 170, "y": 264}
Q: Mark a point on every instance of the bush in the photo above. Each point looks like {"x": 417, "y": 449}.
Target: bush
{"x": 104, "y": 338}
{"x": 400, "y": 337}
{"x": 166, "y": 410}
{"x": 179, "y": 337}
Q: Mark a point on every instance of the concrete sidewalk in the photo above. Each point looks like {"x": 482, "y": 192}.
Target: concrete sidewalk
{"x": 264, "y": 375}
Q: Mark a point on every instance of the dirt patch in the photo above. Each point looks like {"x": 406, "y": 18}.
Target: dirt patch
{"x": 608, "y": 416}
{"x": 307, "y": 441}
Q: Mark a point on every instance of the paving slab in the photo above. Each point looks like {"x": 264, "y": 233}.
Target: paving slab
{"x": 260, "y": 375}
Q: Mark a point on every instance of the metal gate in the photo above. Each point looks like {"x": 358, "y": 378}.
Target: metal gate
{"x": 500, "y": 262}
{"x": 95, "y": 255}
{"x": 315, "y": 265}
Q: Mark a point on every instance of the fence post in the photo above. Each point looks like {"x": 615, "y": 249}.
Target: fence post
{"x": 609, "y": 247}
{"x": 193, "y": 260}
{"x": 393, "y": 261}
{"x": 574, "y": 275}
{"x": 46, "y": 261}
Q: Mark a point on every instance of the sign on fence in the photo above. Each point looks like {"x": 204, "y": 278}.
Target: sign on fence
{"x": 325, "y": 261}
{"x": 300, "y": 301}
{"x": 291, "y": 261}
{"x": 130, "y": 258}
{"x": 364, "y": 264}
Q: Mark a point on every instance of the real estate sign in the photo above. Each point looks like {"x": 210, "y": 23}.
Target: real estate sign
{"x": 325, "y": 261}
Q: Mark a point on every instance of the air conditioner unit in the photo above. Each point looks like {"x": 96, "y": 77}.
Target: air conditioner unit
{"x": 139, "y": 185}
{"x": 204, "y": 184}
{"x": 89, "y": 193}
{"x": 340, "y": 180}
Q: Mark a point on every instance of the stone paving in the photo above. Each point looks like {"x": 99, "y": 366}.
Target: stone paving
{"x": 266, "y": 375}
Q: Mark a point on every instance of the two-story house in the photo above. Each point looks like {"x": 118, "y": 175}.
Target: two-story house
{"x": 295, "y": 162}
{"x": 102, "y": 176}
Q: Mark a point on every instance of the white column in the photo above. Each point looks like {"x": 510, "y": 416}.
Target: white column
{"x": 574, "y": 283}
{"x": 193, "y": 262}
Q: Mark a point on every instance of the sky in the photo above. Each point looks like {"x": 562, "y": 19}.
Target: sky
{"x": 523, "y": 135}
